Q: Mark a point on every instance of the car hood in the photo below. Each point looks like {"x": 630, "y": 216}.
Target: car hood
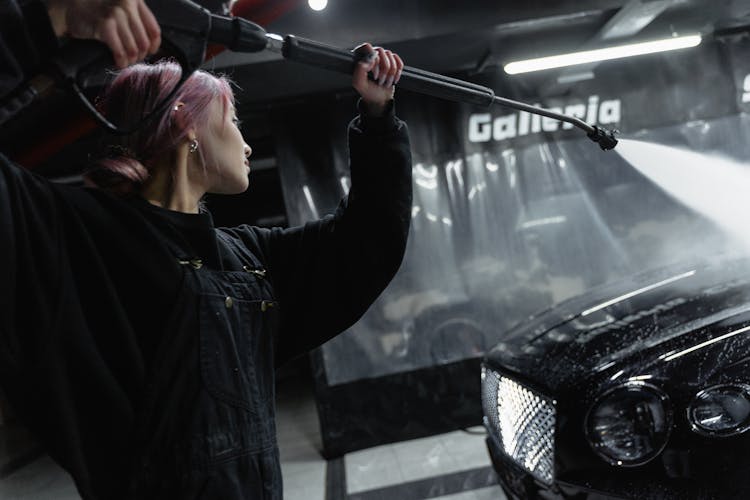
{"x": 639, "y": 325}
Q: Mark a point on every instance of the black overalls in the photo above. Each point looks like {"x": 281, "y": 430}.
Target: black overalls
{"x": 229, "y": 450}
{"x": 234, "y": 428}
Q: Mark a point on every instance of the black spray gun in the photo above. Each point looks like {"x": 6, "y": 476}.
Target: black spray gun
{"x": 424, "y": 82}
{"x": 187, "y": 29}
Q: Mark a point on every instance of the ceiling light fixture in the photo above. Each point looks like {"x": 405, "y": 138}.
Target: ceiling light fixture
{"x": 317, "y": 4}
{"x": 590, "y": 56}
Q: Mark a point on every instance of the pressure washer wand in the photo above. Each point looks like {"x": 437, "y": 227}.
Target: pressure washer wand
{"x": 424, "y": 82}
{"x": 241, "y": 35}
{"x": 244, "y": 36}
{"x": 183, "y": 20}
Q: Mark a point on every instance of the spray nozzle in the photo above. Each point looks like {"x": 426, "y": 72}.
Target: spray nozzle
{"x": 605, "y": 138}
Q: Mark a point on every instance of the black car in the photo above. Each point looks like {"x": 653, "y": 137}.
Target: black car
{"x": 637, "y": 389}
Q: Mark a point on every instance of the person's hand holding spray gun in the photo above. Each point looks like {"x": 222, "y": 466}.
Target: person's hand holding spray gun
{"x": 127, "y": 27}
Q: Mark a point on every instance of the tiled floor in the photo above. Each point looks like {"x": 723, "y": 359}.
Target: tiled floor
{"x": 43, "y": 479}
{"x": 389, "y": 468}
{"x": 396, "y": 471}
{"x": 415, "y": 460}
{"x": 302, "y": 467}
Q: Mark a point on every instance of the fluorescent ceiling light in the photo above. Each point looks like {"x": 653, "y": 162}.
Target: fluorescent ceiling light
{"x": 589, "y": 56}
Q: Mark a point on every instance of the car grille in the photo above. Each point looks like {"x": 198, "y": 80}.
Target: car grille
{"x": 522, "y": 421}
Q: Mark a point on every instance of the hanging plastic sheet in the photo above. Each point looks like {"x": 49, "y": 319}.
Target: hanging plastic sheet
{"x": 514, "y": 213}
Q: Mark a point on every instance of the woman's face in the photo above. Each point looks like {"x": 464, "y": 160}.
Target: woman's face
{"x": 225, "y": 151}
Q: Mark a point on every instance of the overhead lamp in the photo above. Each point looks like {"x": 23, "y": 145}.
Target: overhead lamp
{"x": 589, "y": 56}
{"x": 317, "y": 4}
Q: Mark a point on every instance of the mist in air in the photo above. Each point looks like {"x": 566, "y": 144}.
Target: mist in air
{"x": 716, "y": 187}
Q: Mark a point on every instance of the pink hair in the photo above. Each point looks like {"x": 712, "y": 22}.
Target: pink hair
{"x": 133, "y": 93}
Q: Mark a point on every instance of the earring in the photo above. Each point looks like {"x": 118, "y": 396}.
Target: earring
{"x": 193, "y": 146}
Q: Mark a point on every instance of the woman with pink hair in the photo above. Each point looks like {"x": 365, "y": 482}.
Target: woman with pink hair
{"x": 137, "y": 340}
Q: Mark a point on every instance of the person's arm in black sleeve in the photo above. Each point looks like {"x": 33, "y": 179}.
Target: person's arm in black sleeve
{"x": 31, "y": 256}
{"x": 29, "y": 31}
{"x": 327, "y": 273}
{"x": 26, "y": 37}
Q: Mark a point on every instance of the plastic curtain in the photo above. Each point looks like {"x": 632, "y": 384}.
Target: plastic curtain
{"x": 514, "y": 213}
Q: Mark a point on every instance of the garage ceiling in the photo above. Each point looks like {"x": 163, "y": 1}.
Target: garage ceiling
{"x": 446, "y": 36}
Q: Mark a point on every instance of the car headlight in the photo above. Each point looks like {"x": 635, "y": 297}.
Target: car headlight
{"x": 722, "y": 410}
{"x": 630, "y": 424}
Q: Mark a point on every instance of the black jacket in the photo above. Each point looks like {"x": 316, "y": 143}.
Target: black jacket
{"x": 101, "y": 352}
{"x": 94, "y": 304}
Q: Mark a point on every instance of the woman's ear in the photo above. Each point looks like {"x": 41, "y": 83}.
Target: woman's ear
{"x": 179, "y": 116}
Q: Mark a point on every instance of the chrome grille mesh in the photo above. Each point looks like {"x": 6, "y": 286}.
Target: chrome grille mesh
{"x": 523, "y": 423}
{"x": 490, "y": 381}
